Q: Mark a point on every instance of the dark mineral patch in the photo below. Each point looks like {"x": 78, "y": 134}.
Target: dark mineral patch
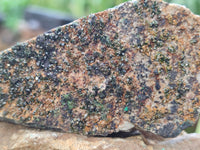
{"x": 136, "y": 63}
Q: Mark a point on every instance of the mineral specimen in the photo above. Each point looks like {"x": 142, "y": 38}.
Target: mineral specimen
{"x": 137, "y": 64}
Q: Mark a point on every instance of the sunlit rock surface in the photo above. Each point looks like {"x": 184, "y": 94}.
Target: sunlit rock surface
{"x": 137, "y": 63}
{"x": 15, "y": 137}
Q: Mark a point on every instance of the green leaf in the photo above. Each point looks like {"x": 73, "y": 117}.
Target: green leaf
{"x": 198, "y": 127}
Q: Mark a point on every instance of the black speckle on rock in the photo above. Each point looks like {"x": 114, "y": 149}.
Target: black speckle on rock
{"x": 109, "y": 106}
{"x": 119, "y": 91}
{"x": 172, "y": 85}
{"x": 99, "y": 69}
{"x": 194, "y": 40}
{"x": 140, "y": 29}
{"x": 174, "y": 108}
{"x": 172, "y": 75}
{"x": 143, "y": 94}
{"x": 126, "y": 22}
{"x": 156, "y": 72}
{"x": 121, "y": 68}
{"x": 3, "y": 98}
{"x": 167, "y": 130}
{"x": 157, "y": 86}
{"x": 128, "y": 95}
{"x": 132, "y": 119}
{"x": 154, "y": 24}
{"x": 191, "y": 80}
{"x": 102, "y": 94}
{"x": 95, "y": 89}
{"x": 169, "y": 117}
{"x": 23, "y": 51}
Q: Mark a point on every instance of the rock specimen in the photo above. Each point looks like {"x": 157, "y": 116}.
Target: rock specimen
{"x": 137, "y": 64}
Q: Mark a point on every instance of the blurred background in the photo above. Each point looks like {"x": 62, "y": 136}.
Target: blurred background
{"x": 24, "y": 19}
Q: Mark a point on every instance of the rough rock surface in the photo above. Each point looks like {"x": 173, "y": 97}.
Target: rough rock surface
{"x": 136, "y": 64}
{"x": 15, "y": 137}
